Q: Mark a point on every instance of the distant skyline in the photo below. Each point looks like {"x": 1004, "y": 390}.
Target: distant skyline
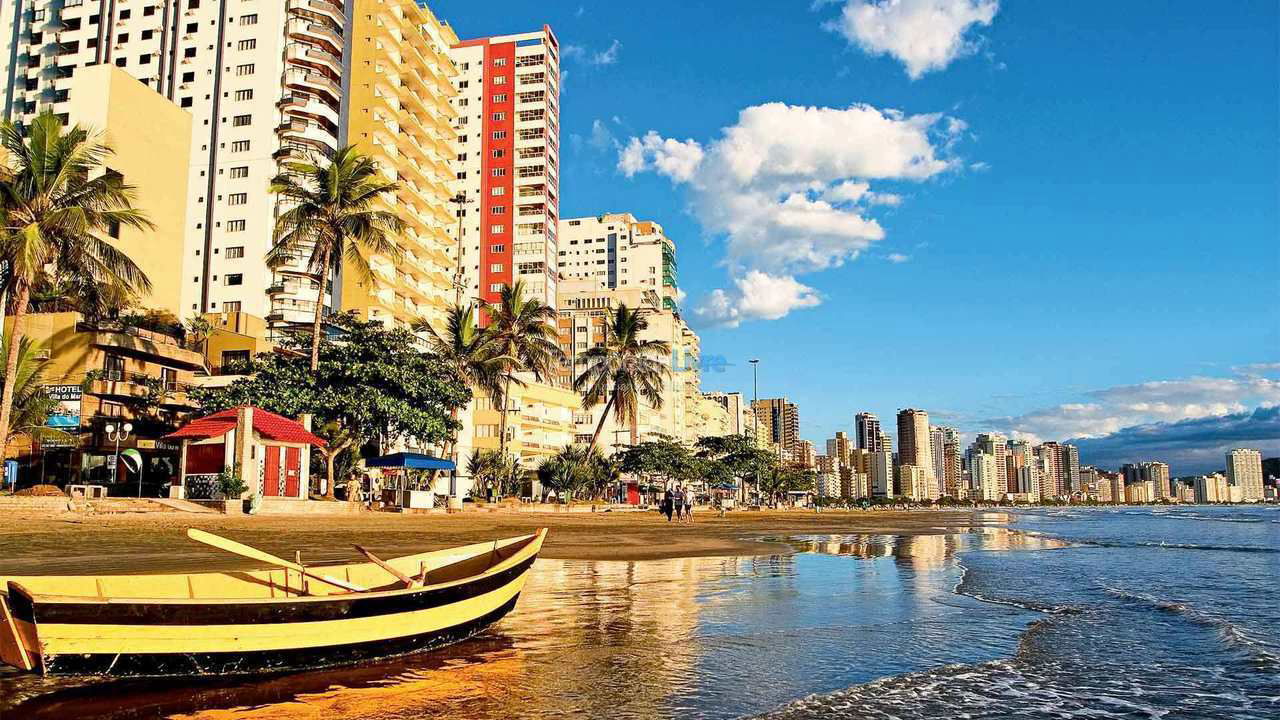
{"x": 1050, "y": 220}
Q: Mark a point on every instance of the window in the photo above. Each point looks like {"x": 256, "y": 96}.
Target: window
{"x": 235, "y": 252}
{"x": 239, "y": 146}
{"x": 189, "y": 52}
{"x": 234, "y": 279}
{"x": 496, "y": 267}
{"x": 112, "y": 367}
{"x": 244, "y": 95}
{"x": 248, "y": 19}
{"x": 498, "y": 172}
{"x": 146, "y": 34}
{"x": 497, "y": 249}
{"x": 185, "y": 102}
{"x": 111, "y": 409}
{"x": 500, "y": 98}
{"x": 499, "y": 229}
{"x": 499, "y": 134}
{"x": 241, "y": 120}
{"x": 499, "y": 116}
{"x": 192, "y": 27}
{"x": 237, "y": 199}
{"x": 246, "y": 69}
{"x": 500, "y": 190}
{"x": 149, "y": 10}
{"x": 496, "y": 287}
{"x": 500, "y": 80}
{"x": 240, "y": 172}
{"x": 231, "y": 306}
{"x": 247, "y": 44}
{"x": 499, "y": 62}
{"x": 232, "y": 358}
{"x": 235, "y": 226}
{"x": 499, "y": 153}
{"x": 498, "y": 210}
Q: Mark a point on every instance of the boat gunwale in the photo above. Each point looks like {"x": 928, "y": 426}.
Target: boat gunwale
{"x": 532, "y": 546}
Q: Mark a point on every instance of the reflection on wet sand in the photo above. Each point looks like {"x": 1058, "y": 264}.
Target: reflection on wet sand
{"x": 650, "y": 639}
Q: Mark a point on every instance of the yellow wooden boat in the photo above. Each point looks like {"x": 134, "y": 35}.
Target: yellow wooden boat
{"x": 294, "y": 617}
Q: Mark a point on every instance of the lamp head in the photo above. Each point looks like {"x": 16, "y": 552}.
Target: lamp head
{"x": 110, "y": 428}
{"x": 128, "y": 427}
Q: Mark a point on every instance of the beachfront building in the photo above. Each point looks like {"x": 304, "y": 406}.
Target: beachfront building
{"x": 706, "y": 417}
{"x": 881, "y": 474}
{"x": 107, "y": 374}
{"x": 617, "y": 250}
{"x": 996, "y": 446}
{"x": 401, "y": 115}
{"x": 734, "y": 408}
{"x": 988, "y": 481}
{"x": 1210, "y": 488}
{"x": 915, "y": 447}
{"x": 867, "y": 431}
{"x": 779, "y": 421}
{"x": 1070, "y": 463}
{"x": 508, "y": 163}
{"x": 1244, "y": 470}
{"x": 584, "y": 313}
{"x": 1050, "y": 454}
{"x": 838, "y": 449}
{"x": 539, "y": 422}
{"x": 916, "y": 484}
{"x": 827, "y": 486}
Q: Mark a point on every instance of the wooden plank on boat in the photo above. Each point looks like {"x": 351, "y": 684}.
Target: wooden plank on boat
{"x": 408, "y": 581}
{"x": 13, "y": 650}
{"x": 232, "y": 546}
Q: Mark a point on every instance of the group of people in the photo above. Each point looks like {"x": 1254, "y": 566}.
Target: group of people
{"x": 679, "y": 503}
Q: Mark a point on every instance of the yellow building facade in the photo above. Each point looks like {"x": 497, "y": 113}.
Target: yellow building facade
{"x": 150, "y": 139}
{"x": 402, "y": 118}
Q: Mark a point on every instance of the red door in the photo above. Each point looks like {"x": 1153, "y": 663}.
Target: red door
{"x": 292, "y": 472}
{"x": 271, "y": 472}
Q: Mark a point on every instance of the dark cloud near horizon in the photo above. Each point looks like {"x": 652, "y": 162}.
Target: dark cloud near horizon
{"x": 1190, "y": 446}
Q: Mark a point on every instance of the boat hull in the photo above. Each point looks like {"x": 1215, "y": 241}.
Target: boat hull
{"x": 156, "y": 636}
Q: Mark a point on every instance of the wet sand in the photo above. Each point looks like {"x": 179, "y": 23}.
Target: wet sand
{"x": 156, "y": 542}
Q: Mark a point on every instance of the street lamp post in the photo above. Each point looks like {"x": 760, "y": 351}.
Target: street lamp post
{"x": 117, "y": 434}
{"x": 755, "y": 418}
{"x": 458, "y": 284}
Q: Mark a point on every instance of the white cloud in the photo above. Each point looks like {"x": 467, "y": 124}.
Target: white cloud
{"x": 756, "y": 296}
{"x": 897, "y": 258}
{"x": 789, "y": 186}
{"x": 924, "y": 35}
{"x": 608, "y": 56}
{"x": 1109, "y": 410}
{"x": 673, "y": 158}
{"x": 601, "y": 138}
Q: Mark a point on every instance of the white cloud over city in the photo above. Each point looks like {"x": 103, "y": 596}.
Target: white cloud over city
{"x": 924, "y": 35}
{"x": 790, "y": 189}
{"x": 1191, "y": 421}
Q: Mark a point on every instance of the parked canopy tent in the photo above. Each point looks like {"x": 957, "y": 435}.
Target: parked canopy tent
{"x": 410, "y": 461}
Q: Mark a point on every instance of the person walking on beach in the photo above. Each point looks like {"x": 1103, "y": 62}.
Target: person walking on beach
{"x": 688, "y": 506}
{"x": 665, "y": 506}
{"x": 678, "y": 498}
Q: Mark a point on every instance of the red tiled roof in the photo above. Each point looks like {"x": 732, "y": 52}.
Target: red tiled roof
{"x": 267, "y": 424}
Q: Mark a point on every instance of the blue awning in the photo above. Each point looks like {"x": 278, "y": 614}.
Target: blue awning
{"x": 413, "y": 461}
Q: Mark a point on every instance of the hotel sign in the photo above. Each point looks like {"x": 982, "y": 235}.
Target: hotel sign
{"x": 66, "y": 414}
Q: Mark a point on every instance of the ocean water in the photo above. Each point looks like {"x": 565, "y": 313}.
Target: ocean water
{"x": 1097, "y": 613}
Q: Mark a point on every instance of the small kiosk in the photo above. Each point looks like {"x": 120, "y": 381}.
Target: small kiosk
{"x": 407, "y": 479}
{"x": 271, "y": 453}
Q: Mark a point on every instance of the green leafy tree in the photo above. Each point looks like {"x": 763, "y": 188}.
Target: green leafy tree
{"x": 578, "y": 470}
{"x": 56, "y": 206}
{"x": 495, "y": 472}
{"x": 738, "y": 457}
{"x": 471, "y": 351}
{"x": 371, "y": 381}
{"x": 524, "y": 333}
{"x": 32, "y": 404}
{"x": 333, "y": 217}
{"x": 663, "y": 459}
{"x": 623, "y": 371}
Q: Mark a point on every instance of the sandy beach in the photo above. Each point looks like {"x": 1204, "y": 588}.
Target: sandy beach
{"x": 155, "y": 542}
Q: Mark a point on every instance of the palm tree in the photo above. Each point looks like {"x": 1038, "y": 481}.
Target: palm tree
{"x": 55, "y": 206}
{"x": 470, "y": 350}
{"x": 333, "y": 216}
{"x": 623, "y": 370}
{"x": 32, "y": 404}
{"x": 525, "y": 334}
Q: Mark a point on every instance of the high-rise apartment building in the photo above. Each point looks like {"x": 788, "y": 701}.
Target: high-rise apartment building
{"x": 952, "y": 471}
{"x": 780, "y": 422}
{"x": 1070, "y": 462}
{"x": 838, "y": 448}
{"x": 1051, "y": 459}
{"x": 914, "y": 447}
{"x": 508, "y": 163}
{"x": 732, "y": 403}
{"x": 400, "y": 114}
{"x": 1244, "y": 470}
{"x": 880, "y": 475}
{"x": 988, "y": 481}
{"x": 1157, "y": 473}
{"x": 997, "y": 446}
{"x": 266, "y": 84}
{"x": 616, "y": 250}
{"x": 805, "y": 454}
{"x": 867, "y": 431}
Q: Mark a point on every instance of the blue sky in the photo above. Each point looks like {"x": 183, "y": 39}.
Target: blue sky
{"x": 1043, "y": 218}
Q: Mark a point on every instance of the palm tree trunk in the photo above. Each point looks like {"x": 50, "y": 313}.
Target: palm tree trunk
{"x": 315, "y": 326}
{"x": 11, "y": 364}
{"x": 600, "y": 425}
{"x": 502, "y": 419}
{"x": 328, "y": 470}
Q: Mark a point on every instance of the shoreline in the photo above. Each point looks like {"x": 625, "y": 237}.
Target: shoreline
{"x": 46, "y": 544}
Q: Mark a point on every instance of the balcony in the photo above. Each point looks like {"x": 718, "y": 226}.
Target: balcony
{"x": 142, "y": 344}
{"x": 139, "y": 386}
